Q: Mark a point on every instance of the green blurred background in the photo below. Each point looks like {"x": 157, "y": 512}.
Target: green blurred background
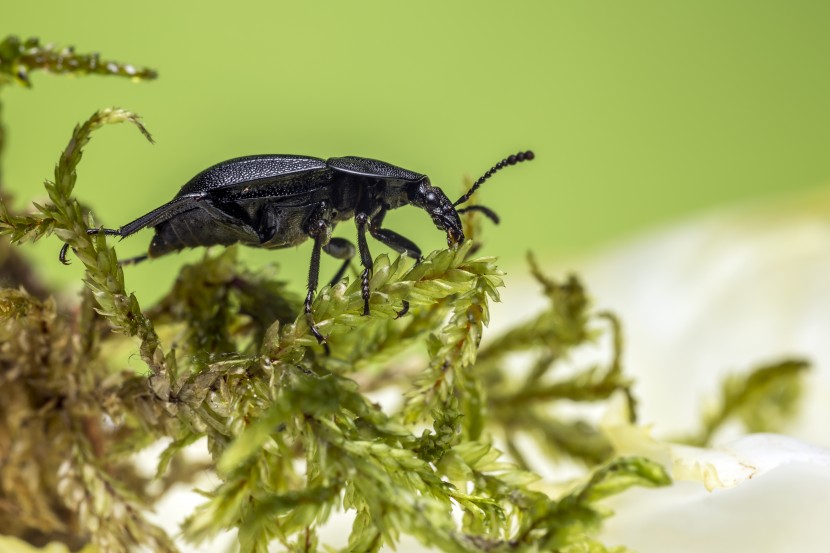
{"x": 639, "y": 112}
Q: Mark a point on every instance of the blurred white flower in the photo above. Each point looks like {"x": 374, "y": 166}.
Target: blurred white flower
{"x": 719, "y": 294}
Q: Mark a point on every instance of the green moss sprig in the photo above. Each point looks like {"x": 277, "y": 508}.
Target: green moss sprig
{"x": 18, "y": 58}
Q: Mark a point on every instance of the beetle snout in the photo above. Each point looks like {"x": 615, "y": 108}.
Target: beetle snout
{"x": 448, "y": 221}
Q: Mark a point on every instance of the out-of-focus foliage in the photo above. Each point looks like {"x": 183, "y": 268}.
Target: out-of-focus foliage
{"x": 18, "y": 58}
{"x": 762, "y": 401}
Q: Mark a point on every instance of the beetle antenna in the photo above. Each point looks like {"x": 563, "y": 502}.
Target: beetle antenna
{"x": 512, "y": 160}
{"x": 484, "y": 210}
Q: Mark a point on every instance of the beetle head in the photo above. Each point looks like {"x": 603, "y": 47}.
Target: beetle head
{"x": 444, "y": 213}
{"x": 433, "y": 200}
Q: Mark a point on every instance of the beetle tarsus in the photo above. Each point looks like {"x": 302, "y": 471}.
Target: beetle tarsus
{"x": 107, "y": 231}
{"x": 364, "y": 290}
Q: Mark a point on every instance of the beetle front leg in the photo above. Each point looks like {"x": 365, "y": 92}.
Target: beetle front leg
{"x": 362, "y": 220}
{"x": 399, "y": 243}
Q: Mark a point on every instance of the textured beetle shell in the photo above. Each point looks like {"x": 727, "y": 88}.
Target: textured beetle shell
{"x": 372, "y": 168}
{"x": 247, "y": 171}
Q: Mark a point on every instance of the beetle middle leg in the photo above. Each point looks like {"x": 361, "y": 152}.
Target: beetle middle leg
{"x": 340, "y": 248}
{"x": 362, "y": 220}
{"x": 318, "y": 227}
{"x": 313, "y": 278}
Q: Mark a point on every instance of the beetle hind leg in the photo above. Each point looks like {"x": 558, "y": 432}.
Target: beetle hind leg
{"x": 90, "y": 232}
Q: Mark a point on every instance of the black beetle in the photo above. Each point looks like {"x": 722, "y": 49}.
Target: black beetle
{"x": 277, "y": 201}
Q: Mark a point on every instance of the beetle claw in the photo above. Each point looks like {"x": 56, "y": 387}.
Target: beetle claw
{"x": 404, "y": 310}
{"x": 62, "y": 254}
